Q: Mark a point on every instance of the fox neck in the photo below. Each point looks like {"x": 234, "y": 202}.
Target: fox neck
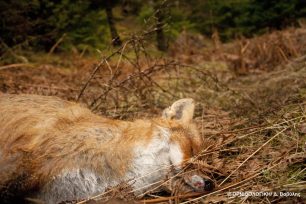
{"x": 154, "y": 161}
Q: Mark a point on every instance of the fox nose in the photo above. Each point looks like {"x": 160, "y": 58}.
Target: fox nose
{"x": 200, "y": 184}
{"x": 209, "y": 185}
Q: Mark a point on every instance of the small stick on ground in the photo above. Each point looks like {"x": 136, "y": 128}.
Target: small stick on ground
{"x": 15, "y": 66}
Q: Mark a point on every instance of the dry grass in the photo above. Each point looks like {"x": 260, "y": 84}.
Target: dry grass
{"x": 262, "y": 53}
{"x": 254, "y": 126}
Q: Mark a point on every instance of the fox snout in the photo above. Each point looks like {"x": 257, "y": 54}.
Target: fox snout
{"x": 199, "y": 184}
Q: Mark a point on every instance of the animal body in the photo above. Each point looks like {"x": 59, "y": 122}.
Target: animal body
{"x": 54, "y": 150}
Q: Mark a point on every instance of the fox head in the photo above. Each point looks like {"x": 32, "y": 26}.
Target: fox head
{"x": 185, "y": 140}
{"x": 184, "y": 133}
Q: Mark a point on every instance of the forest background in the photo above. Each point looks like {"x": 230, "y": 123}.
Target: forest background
{"x": 91, "y": 25}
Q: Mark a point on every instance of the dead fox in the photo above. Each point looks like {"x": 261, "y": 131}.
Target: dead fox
{"x": 54, "y": 150}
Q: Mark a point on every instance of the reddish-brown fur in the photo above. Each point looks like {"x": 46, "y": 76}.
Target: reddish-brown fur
{"x": 40, "y": 136}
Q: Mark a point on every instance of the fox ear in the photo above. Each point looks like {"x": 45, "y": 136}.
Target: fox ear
{"x": 181, "y": 110}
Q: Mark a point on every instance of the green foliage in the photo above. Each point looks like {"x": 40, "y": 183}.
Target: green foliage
{"x": 178, "y": 21}
{"x": 88, "y": 32}
{"x": 145, "y": 13}
{"x": 41, "y": 23}
{"x": 233, "y": 18}
{"x": 176, "y": 18}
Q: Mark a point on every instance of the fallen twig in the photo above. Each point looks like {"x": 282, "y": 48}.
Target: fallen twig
{"x": 163, "y": 199}
{"x": 16, "y": 65}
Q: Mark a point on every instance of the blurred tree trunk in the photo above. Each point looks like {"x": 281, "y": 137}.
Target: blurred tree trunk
{"x": 160, "y": 36}
{"x": 110, "y": 19}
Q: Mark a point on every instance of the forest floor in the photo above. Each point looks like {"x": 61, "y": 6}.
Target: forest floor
{"x": 251, "y": 106}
